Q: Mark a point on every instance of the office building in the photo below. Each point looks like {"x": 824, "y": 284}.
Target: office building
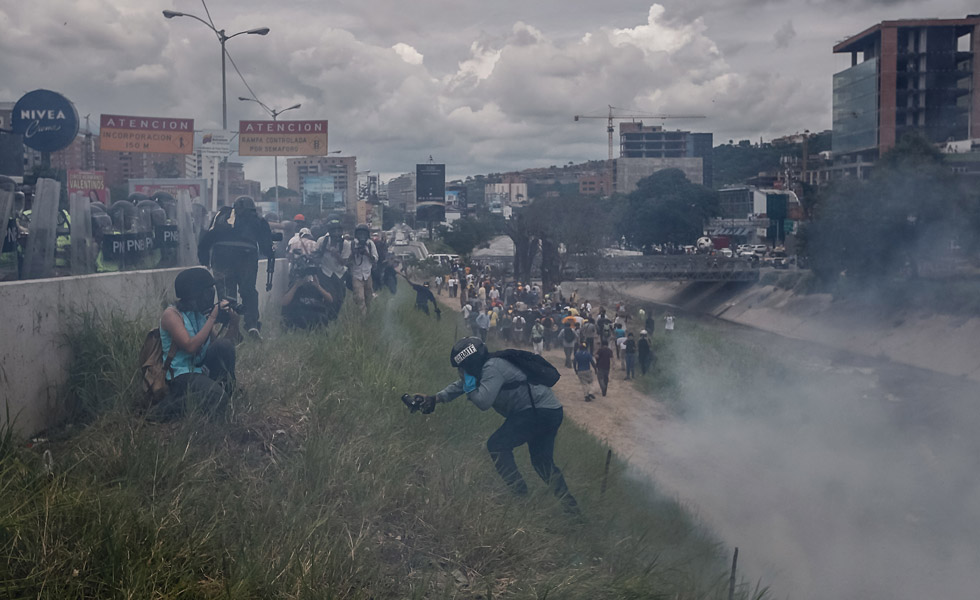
{"x": 913, "y": 75}
{"x": 343, "y": 169}
{"x": 639, "y": 141}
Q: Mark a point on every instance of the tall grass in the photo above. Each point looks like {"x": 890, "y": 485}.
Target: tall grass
{"x": 317, "y": 483}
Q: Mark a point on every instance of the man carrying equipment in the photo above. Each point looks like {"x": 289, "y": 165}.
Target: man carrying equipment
{"x": 532, "y": 414}
{"x": 361, "y": 256}
{"x": 232, "y": 247}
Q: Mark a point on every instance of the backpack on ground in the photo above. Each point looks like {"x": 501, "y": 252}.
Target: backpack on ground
{"x": 153, "y": 367}
{"x": 535, "y": 367}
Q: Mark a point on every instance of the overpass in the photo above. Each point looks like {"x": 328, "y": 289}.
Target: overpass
{"x": 682, "y": 267}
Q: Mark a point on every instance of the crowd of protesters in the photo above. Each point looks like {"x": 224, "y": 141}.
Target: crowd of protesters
{"x": 516, "y": 314}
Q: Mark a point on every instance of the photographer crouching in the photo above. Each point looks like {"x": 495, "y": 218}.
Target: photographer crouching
{"x": 203, "y": 364}
{"x": 532, "y": 414}
{"x": 306, "y": 305}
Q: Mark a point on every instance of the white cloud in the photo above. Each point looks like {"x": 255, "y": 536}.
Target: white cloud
{"x": 407, "y": 53}
{"x": 491, "y": 90}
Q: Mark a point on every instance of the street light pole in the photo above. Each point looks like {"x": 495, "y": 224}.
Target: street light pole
{"x": 222, "y": 38}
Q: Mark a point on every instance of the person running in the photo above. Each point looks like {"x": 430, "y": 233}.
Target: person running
{"x": 361, "y": 255}
{"x": 584, "y": 363}
{"x": 423, "y": 295}
{"x": 532, "y": 415}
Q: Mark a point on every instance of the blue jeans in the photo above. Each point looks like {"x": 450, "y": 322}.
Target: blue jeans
{"x": 536, "y": 427}
{"x": 630, "y": 365}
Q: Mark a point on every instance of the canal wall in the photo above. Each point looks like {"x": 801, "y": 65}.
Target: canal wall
{"x": 948, "y": 344}
{"x": 37, "y": 314}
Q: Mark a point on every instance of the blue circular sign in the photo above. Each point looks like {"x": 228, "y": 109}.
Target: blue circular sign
{"x": 47, "y": 120}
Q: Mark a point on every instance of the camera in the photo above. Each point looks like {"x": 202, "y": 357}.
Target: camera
{"x": 304, "y": 266}
{"x": 413, "y": 403}
{"x": 224, "y": 316}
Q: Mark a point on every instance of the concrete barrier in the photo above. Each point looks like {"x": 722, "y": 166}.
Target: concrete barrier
{"x": 34, "y": 354}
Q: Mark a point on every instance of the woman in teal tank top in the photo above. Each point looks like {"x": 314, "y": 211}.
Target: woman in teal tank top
{"x": 203, "y": 367}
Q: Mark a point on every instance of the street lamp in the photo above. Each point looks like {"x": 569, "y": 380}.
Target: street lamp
{"x": 275, "y": 115}
{"x": 222, "y": 38}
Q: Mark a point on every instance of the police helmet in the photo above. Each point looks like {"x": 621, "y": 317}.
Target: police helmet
{"x": 244, "y": 204}
{"x": 469, "y": 354}
{"x": 334, "y": 224}
{"x": 124, "y": 214}
{"x": 137, "y": 197}
{"x": 101, "y": 221}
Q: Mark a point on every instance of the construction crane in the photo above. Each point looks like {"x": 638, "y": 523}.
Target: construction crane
{"x": 609, "y": 125}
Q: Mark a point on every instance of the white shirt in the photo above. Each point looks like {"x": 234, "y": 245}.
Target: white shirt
{"x": 360, "y": 264}
{"x": 669, "y": 323}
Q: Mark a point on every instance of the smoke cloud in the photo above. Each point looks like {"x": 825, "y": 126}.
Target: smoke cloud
{"x": 834, "y": 480}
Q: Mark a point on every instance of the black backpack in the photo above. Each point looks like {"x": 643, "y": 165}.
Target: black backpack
{"x": 569, "y": 335}
{"x": 537, "y": 370}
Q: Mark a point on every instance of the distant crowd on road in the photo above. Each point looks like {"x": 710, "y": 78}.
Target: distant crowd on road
{"x": 519, "y": 314}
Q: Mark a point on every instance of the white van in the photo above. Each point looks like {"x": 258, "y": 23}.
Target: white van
{"x": 444, "y": 259}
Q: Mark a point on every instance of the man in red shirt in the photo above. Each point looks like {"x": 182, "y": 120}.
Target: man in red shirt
{"x": 603, "y": 362}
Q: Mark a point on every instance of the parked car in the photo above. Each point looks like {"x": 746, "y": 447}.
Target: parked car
{"x": 726, "y": 252}
{"x": 760, "y": 249}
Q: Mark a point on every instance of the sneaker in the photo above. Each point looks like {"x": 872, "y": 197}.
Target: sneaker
{"x": 254, "y": 334}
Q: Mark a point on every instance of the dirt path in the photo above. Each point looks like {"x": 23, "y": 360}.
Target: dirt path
{"x": 625, "y": 419}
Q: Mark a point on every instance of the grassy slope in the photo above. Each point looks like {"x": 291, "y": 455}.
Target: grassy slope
{"x": 319, "y": 484}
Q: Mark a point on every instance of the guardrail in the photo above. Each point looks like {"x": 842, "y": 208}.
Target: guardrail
{"x": 687, "y": 267}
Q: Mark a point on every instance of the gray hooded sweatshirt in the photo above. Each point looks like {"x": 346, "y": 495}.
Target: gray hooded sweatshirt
{"x": 492, "y": 393}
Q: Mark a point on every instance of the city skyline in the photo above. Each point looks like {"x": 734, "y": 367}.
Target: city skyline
{"x": 482, "y": 89}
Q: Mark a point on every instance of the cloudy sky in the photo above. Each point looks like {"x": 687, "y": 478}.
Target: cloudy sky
{"x": 482, "y": 86}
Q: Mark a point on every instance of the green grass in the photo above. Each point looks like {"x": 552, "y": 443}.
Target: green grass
{"x": 317, "y": 483}
{"x": 697, "y": 362}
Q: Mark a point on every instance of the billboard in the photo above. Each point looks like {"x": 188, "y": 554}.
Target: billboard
{"x": 88, "y": 184}
{"x": 47, "y": 120}
{"x": 430, "y": 193}
{"x": 282, "y": 138}
{"x": 196, "y": 188}
{"x": 319, "y": 190}
{"x": 160, "y": 135}
{"x": 456, "y": 197}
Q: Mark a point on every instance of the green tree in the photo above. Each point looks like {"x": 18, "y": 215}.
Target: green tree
{"x": 167, "y": 169}
{"x": 569, "y": 226}
{"x": 469, "y": 232}
{"x": 666, "y": 208}
{"x": 907, "y": 212}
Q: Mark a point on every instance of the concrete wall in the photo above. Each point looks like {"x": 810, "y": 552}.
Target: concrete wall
{"x": 36, "y": 315}
{"x": 943, "y": 343}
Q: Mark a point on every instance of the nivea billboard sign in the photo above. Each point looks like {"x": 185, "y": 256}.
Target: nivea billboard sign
{"x": 47, "y": 120}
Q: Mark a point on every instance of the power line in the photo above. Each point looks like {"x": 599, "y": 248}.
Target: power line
{"x": 242, "y": 77}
